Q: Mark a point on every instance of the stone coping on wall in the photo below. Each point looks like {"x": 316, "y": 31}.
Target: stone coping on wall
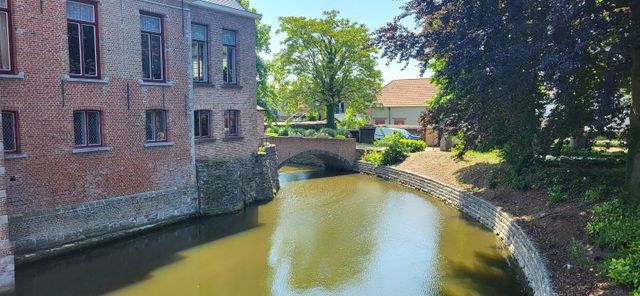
{"x": 506, "y": 228}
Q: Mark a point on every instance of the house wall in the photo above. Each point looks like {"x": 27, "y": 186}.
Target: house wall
{"x": 57, "y": 196}
{"x": 410, "y": 114}
{"x": 218, "y": 97}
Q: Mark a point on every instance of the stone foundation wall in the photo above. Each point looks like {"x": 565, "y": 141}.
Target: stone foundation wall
{"x": 49, "y": 232}
{"x": 501, "y": 223}
{"x": 227, "y": 186}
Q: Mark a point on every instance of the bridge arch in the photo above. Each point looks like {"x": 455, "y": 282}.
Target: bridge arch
{"x": 334, "y": 153}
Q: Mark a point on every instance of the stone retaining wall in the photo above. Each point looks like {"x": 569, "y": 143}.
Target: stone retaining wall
{"x": 227, "y": 186}
{"x": 514, "y": 237}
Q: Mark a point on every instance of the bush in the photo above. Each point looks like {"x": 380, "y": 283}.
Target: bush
{"x": 340, "y": 137}
{"x": 373, "y": 157}
{"x": 395, "y": 151}
{"x": 615, "y": 224}
{"x": 414, "y": 146}
{"x": 625, "y": 268}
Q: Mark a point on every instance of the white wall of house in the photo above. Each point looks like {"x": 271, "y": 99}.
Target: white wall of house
{"x": 390, "y": 115}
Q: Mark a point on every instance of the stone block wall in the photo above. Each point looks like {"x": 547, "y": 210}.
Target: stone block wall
{"x": 514, "y": 237}
{"x": 227, "y": 186}
{"x": 7, "y": 266}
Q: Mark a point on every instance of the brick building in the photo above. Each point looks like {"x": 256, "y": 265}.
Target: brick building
{"x": 106, "y": 105}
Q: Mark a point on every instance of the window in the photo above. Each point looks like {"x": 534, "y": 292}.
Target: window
{"x": 380, "y": 121}
{"x": 202, "y": 121}
{"x": 231, "y": 122}
{"x": 10, "y": 131}
{"x": 83, "y": 39}
{"x": 398, "y": 121}
{"x": 340, "y": 108}
{"x": 5, "y": 37}
{"x": 156, "y": 126}
{"x": 87, "y": 128}
{"x": 229, "y": 56}
{"x": 152, "y": 47}
{"x": 200, "y": 52}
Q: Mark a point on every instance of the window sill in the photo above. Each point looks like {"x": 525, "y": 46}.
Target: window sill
{"x": 205, "y": 140}
{"x": 162, "y": 84}
{"x": 232, "y": 138}
{"x": 20, "y": 75}
{"x": 231, "y": 86}
{"x": 68, "y": 78}
{"x": 204, "y": 85}
{"x": 91, "y": 150}
{"x": 159, "y": 144}
{"x": 9, "y": 156}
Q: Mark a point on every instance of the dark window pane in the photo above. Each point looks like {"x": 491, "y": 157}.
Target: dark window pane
{"x": 156, "y": 57}
{"x": 146, "y": 66}
{"x": 229, "y": 64}
{"x": 93, "y": 125}
{"x": 5, "y": 58}
{"x": 89, "y": 50}
{"x": 74, "y": 49}
{"x": 9, "y": 131}
{"x": 205, "y": 124}
{"x": 150, "y": 126}
{"x": 196, "y": 123}
{"x": 161, "y": 126}
{"x": 78, "y": 128}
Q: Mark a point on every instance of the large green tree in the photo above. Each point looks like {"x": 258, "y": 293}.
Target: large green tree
{"x": 324, "y": 62}
{"x": 634, "y": 134}
{"x": 523, "y": 75}
{"x": 265, "y": 91}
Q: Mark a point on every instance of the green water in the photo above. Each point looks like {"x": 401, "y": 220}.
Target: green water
{"x": 324, "y": 234}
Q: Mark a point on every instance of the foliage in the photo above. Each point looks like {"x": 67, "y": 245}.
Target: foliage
{"x": 615, "y": 224}
{"x": 353, "y": 120}
{"x": 324, "y": 62}
{"x": 395, "y": 151}
{"x": 262, "y": 150}
{"x": 287, "y": 131}
{"x": 414, "y": 146}
{"x": 625, "y": 268}
{"x": 265, "y": 90}
{"x": 519, "y": 75}
{"x": 373, "y": 156}
{"x": 577, "y": 254}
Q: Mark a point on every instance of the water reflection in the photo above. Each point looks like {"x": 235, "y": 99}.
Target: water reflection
{"x": 325, "y": 234}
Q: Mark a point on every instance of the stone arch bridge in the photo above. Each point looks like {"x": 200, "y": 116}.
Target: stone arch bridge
{"x": 334, "y": 153}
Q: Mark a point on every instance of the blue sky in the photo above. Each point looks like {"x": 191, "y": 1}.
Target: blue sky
{"x": 372, "y": 13}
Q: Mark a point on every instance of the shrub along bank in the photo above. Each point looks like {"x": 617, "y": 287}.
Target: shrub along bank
{"x": 396, "y": 149}
{"x": 286, "y": 131}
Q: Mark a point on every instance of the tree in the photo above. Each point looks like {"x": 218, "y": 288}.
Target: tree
{"x": 634, "y": 133}
{"x": 520, "y": 75}
{"x": 324, "y": 62}
{"x": 265, "y": 91}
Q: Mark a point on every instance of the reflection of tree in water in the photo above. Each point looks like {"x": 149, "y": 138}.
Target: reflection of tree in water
{"x": 325, "y": 243}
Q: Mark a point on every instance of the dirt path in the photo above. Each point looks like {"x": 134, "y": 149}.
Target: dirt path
{"x": 551, "y": 225}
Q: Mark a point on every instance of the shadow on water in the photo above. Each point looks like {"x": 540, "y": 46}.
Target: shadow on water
{"x": 305, "y": 173}
{"x": 490, "y": 275}
{"x": 121, "y": 263}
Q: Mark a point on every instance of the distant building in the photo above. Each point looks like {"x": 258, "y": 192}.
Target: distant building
{"x": 401, "y": 102}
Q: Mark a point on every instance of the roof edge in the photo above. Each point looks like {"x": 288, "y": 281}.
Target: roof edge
{"x": 226, "y": 9}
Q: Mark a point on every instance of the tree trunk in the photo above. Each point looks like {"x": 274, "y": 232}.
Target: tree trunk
{"x": 331, "y": 116}
{"x": 633, "y": 180}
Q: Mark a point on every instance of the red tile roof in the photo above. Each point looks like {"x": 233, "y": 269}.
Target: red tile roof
{"x": 407, "y": 93}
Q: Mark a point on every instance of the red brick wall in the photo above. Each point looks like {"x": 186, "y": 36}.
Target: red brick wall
{"x": 217, "y": 97}
{"x": 51, "y": 176}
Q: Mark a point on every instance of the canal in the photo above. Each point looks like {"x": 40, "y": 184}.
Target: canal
{"x": 325, "y": 234}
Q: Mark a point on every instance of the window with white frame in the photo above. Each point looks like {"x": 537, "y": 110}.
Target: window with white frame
{"x": 229, "y": 73}
{"x": 82, "y": 30}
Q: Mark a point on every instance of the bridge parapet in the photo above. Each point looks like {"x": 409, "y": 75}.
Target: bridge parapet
{"x": 335, "y": 153}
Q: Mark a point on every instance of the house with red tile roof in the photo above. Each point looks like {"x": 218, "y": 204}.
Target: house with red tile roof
{"x": 401, "y": 101}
